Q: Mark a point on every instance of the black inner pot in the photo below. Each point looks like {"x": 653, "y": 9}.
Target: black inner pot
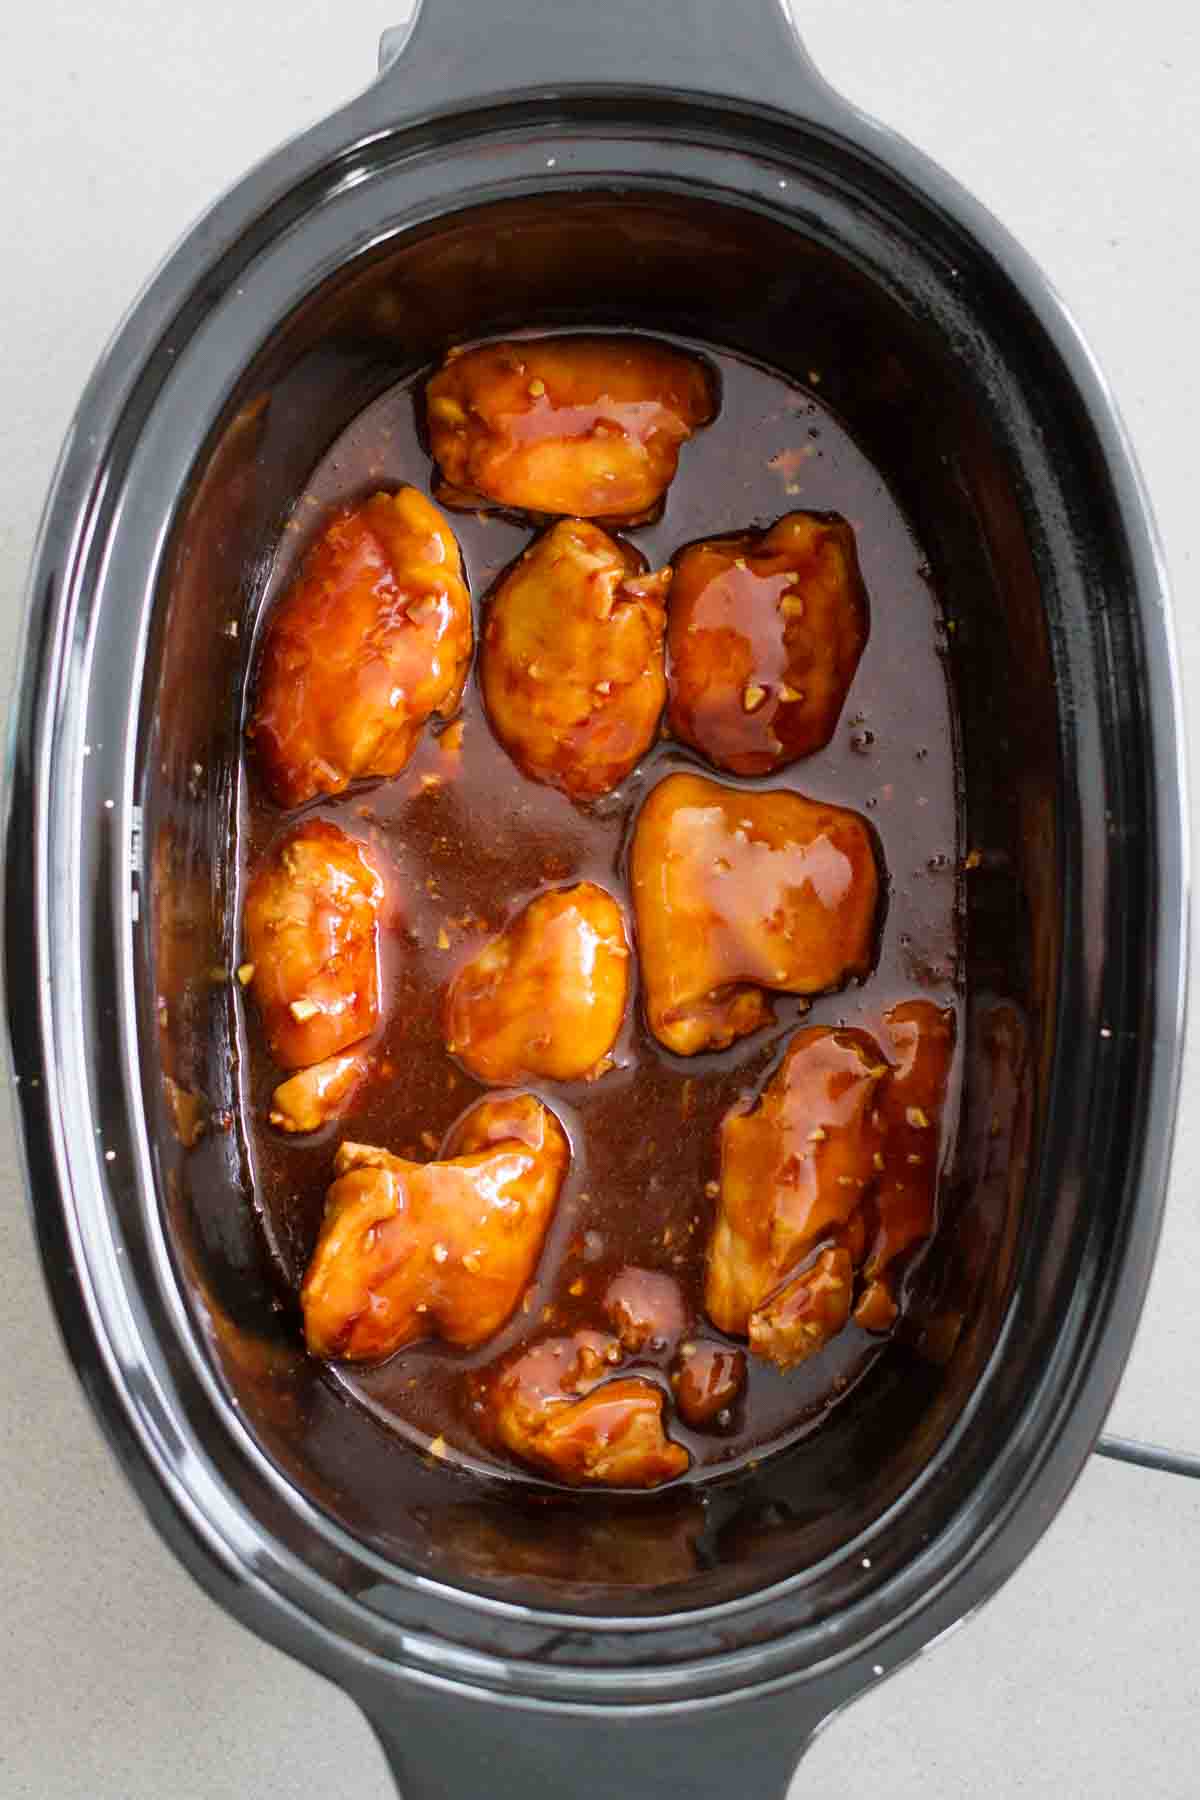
{"x": 925, "y": 352}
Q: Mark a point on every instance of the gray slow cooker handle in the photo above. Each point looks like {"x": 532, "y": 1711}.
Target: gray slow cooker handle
{"x": 454, "y": 52}
{"x": 447, "y": 1741}
{"x": 447, "y": 1745}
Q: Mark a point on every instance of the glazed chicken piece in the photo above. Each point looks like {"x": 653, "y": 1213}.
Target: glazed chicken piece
{"x": 794, "y": 1171}
{"x": 547, "y": 996}
{"x": 735, "y": 892}
{"x": 415, "y": 1250}
{"x": 311, "y": 931}
{"x": 707, "y": 1382}
{"x": 645, "y": 1307}
{"x": 551, "y": 1406}
{"x": 372, "y": 637}
{"x": 572, "y": 662}
{"x": 766, "y": 630}
{"x": 590, "y": 427}
{"x": 314, "y": 1096}
{"x": 919, "y": 1039}
{"x": 801, "y": 1317}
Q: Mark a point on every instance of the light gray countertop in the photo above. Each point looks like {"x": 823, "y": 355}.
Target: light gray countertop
{"x": 1078, "y": 122}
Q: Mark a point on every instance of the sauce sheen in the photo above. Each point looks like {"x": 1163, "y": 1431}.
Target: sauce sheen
{"x": 466, "y": 841}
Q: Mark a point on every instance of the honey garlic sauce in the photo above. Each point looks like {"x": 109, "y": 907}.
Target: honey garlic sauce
{"x": 467, "y": 841}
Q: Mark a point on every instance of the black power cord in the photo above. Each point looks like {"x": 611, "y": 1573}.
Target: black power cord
{"x": 1149, "y": 1456}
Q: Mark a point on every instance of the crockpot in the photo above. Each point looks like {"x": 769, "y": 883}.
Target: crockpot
{"x": 681, "y": 168}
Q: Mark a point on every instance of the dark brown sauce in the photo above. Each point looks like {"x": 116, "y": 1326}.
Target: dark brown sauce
{"x": 477, "y": 845}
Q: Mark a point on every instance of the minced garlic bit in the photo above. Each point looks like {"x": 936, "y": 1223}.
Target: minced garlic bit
{"x": 712, "y": 1189}
{"x": 431, "y": 781}
{"x": 245, "y": 974}
{"x": 752, "y": 696}
{"x": 443, "y": 942}
{"x": 792, "y": 606}
{"x": 877, "y": 1159}
{"x": 915, "y": 1160}
{"x": 789, "y": 694}
{"x": 303, "y": 1009}
{"x": 472, "y": 1264}
{"x": 438, "y": 1446}
{"x": 577, "y": 1286}
{"x": 917, "y": 1117}
{"x": 537, "y": 388}
{"x": 429, "y": 1141}
{"x": 440, "y": 1253}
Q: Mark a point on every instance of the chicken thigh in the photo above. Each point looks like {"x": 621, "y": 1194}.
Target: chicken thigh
{"x": 547, "y": 996}
{"x": 372, "y": 637}
{"x": 312, "y": 1097}
{"x": 311, "y": 942}
{"x": 794, "y": 1171}
{"x": 919, "y": 1039}
{"x": 645, "y": 1306}
{"x": 572, "y": 661}
{"x": 735, "y": 892}
{"x": 708, "y": 1382}
{"x": 414, "y": 1250}
{"x": 552, "y": 1406}
{"x": 766, "y": 629}
{"x": 585, "y": 426}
